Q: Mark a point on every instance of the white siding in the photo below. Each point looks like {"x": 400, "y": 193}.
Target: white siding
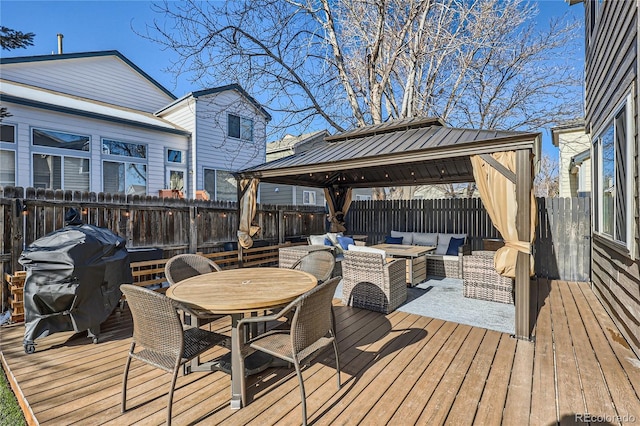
{"x": 182, "y": 114}
{"x": 103, "y": 78}
{"x": 26, "y": 117}
{"x": 570, "y": 144}
{"x": 214, "y": 149}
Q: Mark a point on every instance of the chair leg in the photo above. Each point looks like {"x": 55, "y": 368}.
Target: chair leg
{"x": 170, "y": 399}
{"x": 335, "y": 349}
{"x": 302, "y": 393}
{"x": 124, "y": 381}
{"x": 243, "y": 384}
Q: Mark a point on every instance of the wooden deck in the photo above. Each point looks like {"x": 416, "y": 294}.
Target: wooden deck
{"x": 396, "y": 369}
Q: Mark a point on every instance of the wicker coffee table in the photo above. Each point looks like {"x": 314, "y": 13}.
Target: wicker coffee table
{"x": 414, "y": 256}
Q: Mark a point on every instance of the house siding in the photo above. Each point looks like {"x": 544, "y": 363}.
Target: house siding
{"x": 216, "y": 150}
{"x": 104, "y": 78}
{"x": 26, "y": 118}
{"x": 611, "y": 73}
{"x": 571, "y": 144}
{"x": 282, "y": 197}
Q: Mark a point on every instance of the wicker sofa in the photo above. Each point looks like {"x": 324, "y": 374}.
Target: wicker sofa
{"x": 481, "y": 281}
{"x": 369, "y": 282}
{"x": 438, "y": 262}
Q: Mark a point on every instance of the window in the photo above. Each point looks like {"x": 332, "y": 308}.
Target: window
{"x": 60, "y": 172}
{"x": 221, "y": 185}
{"x": 124, "y": 178}
{"x": 175, "y": 179}
{"x": 612, "y": 178}
{"x": 309, "y": 197}
{"x": 175, "y": 156}
{"x": 125, "y": 149}
{"x": 7, "y": 168}
{"x": 240, "y": 127}
{"x": 7, "y": 156}
{"x": 127, "y": 177}
{"x": 7, "y": 133}
{"x": 62, "y": 140}
{"x": 360, "y": 197}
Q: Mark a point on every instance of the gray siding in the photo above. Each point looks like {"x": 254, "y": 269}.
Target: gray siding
{"x": 283, "y": 196}
{"x": 103, "y": 78}
{"x": 611, "y": 71}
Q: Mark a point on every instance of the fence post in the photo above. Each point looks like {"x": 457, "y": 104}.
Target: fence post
{"x": 280, "y": 225}
{"x": 193, "y": 229}
{"x": 17, "y": 234}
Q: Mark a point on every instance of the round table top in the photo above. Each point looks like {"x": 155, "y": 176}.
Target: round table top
{"x": 242, "y": 290}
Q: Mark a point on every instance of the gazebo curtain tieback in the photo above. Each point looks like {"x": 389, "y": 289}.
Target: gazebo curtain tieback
{"x": 521, "y": 246}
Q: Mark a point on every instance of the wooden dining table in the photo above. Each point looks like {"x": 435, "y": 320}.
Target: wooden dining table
{"x": 237, "y": 292}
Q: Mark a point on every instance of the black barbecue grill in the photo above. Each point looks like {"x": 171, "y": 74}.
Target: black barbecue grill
{"x": 73, "y": 280}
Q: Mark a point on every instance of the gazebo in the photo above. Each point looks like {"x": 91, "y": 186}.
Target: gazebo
{"x": 414, "y": 152}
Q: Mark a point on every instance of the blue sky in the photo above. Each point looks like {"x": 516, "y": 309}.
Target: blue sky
{"x": 108, "y": 25}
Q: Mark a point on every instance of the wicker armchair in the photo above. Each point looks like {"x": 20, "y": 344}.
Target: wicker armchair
{"x": 164, "y": 344}
{"x": 320, "y": 264}
{"x": 312, "y": 328}
{"x": 185, "y": 266}
{"x": 372, "y": 283}
{"x": 481, "y": 281}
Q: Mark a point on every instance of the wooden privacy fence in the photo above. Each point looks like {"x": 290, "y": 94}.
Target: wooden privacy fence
{"x": 563, "y": 233}
{"x": 562, "y": 248}
{"x": 175, "y": 225}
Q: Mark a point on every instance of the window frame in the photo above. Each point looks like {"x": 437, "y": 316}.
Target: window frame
{"x": 119, "y": 159}
{"x": 597, "y": 177}
{"x": 214, "y": 194}
{"x": 167, "y": 175}
{"x": 11, "y": 147}
{"x": 60, "y": 149}
{"x": 15, "y": 132}
{"x": 183, "y": 155}
{"x": 240, "y": 122}
{"x": 315, "y": 197}
{"x": 124, "y": 159}
{"x": 62, "y": 157}
{"x": 15, "y": 165}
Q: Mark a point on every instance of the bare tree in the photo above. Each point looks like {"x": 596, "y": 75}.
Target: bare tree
{"x": 345, "y": 63}
{"x": 546, "y": 183}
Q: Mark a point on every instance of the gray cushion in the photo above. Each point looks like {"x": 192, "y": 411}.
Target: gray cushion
{"x": 407, "y": 237}
{"x": 425, "y": 239}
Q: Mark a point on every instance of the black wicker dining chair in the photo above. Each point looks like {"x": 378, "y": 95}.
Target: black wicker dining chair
{"x": 312, "y": 328}
{"x": 159, "y": 338}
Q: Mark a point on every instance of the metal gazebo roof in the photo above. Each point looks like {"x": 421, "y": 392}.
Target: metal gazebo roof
{"x": 396, "y": 153}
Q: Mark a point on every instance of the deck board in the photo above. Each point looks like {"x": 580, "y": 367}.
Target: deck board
{"x": 473, "y": 385}
{"x": 395, "y": 369}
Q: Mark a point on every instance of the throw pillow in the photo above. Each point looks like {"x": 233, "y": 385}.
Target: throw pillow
{"x": 345, "y": 241}
{"x": 327, "y": 242}
{"x": 454, "y": 244}
{"x": 393, "y": 240}
{"x": 317, "y": 240}
{"x": 407, "y": 237}
{"x": 333, "y": 236}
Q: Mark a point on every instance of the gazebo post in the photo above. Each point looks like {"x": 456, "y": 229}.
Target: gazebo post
{"x": 523, "y": 226}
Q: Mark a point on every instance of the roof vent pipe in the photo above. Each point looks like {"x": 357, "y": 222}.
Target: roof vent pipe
{"x": 60, "y": 37}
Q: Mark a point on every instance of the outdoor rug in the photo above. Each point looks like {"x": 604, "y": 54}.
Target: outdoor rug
{"x": 442, "y": 298}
